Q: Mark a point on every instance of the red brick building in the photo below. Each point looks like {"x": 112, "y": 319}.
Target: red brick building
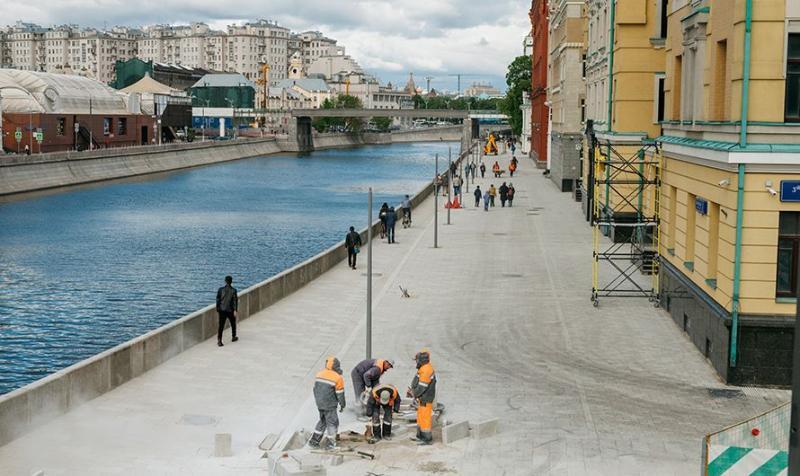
{"x": 539, "y": 110}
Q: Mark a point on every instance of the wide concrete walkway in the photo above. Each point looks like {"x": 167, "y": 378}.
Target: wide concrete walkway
{"x": 503, "y": 306}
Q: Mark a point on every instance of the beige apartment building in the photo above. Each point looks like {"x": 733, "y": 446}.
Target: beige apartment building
{"x": 566, "y": 90}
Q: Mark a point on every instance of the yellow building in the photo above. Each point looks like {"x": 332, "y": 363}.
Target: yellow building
{"x": 624, "y": 82}
{"x": 730, "y": 199}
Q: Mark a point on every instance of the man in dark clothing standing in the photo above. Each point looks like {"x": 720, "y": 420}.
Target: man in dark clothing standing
{"x": 478, "y": 194}
{"x": 352, "y": 242}
{"x": 227, "y": 309}
{"x": 391, "y": 219}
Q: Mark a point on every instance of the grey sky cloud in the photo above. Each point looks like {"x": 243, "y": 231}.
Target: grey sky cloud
{"x": 387, "y": 37}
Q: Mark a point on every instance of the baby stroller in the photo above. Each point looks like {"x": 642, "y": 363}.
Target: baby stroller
{"x": 406, "y": 218}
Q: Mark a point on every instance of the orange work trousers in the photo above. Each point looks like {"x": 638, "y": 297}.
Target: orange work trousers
{"x": 425, "y": 416}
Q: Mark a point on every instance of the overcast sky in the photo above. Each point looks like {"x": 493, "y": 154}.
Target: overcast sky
{"x": 388, "y": 38}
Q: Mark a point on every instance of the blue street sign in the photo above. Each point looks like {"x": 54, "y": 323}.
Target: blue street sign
{"x": 790, "y": 190}
{"x": 701, "y": 205}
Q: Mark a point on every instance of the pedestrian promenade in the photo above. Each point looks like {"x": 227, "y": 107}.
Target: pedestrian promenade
{"x": 503, "y": 305}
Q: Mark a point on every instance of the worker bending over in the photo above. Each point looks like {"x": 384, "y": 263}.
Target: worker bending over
{"x": 423, "y": 389}
{"x": 384, "y": 400}
{"x": 366, "y": 375}
{"x": 328, "y": 393}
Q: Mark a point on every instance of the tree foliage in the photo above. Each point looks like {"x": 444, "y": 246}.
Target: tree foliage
{"x": 461, "y": 103}
{"x": 383, "y": 124}
{"x": 340, "y": 124}
{"x": 518, "y": 79}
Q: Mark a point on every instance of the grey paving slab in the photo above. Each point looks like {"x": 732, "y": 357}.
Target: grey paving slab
{"x": 503, "y": 306}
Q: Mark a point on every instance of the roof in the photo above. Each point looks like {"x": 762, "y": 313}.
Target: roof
{"x": 148, "y": 85}
{"x": 309, "y": 84}
{"x": 290, "y": 94}
{"x": 29, "y": 91}
{"x": 223, "y": 80}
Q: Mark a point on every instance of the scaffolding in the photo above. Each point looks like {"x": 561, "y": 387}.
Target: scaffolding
{"x": 626, "y": 189}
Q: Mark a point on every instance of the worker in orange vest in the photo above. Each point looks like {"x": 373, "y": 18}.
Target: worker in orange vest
{"x": 328, "y": 393}
{"x": 383, "y": 400}
{"x": 423, "y": 389}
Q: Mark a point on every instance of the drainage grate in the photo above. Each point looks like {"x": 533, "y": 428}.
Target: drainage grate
{"x": 198, "y": 420}
{"x": 374, "y": 275}
{"x": 500, "y": 234}
{"x": 511, "y": 275}
{"x": 725, "y": 393}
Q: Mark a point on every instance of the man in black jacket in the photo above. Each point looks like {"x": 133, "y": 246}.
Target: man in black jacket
{"x": 391, "y": 219}
{"x": 352, "y": 242}
{"x": 227, "y": 309}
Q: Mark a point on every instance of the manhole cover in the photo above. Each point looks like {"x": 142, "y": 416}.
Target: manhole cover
{"x": 511, "y": 275}
{"x": 725, "y": 393}
{"x": 374, "y": 275}
{"x": 198, "y": 420}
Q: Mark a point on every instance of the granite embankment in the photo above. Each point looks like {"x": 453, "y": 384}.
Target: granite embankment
{"x": 22, "y": 174}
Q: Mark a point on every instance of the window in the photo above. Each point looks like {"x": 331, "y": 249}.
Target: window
{"x": 788, "y": 254}
{"x": 691, "y": 220}
{"x": 61, "y": 125}
{"x": 663, "y": 13}
{"x": 676, "y": 88}
{"x": 713, "y": 242}
{"x": 658, "y": 106}
{"x": 122, "y": 126}
{"x": 720, "y": 81}
{"x": 672, "y": 213}
{"x": 792, "y": 107}
{"x": 107, "y": 130}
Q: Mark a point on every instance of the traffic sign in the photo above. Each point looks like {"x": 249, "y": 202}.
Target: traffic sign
{"x": 18, "y": 135}
{"x": 39, "y": 136}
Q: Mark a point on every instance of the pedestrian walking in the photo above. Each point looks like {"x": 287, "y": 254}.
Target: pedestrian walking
{"x": 227, "y": 309}
{"x": 328, "y": 394}
{"x": 478, "y": 194}
{"x": 512, "y": 167}
{"x": 382, "y": 218}
{"x": 437, "y": 184}
{"x": 492, "y": 194}
{"x": 472, "y": 168}
{"x": 513, "y": 148}
{"x": 457, "y": 181}
{"x": 483, "y": 169}
{"x": 391, "y": 220}
{"x": 496, "y": 169}
{"x": 503, "y": 194}
{"x": 511, "y": 193}
{"x": 353, "y": 244}
{"x": 486, "y": 199}
{"x": 407, "y": 210}
{"x": 27, "y": 150}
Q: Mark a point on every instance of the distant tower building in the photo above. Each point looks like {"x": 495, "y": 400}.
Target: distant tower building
{"x": 410, "y": 88}
{"x": 296, "y": 70}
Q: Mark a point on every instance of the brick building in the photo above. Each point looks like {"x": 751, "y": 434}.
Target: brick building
{"x": 540, "y": 112}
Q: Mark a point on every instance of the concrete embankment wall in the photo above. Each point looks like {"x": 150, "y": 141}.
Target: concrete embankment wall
{"x": 23, "y": 174}
{"x": 33, "y": 173}
{"x": 39, "y": 402}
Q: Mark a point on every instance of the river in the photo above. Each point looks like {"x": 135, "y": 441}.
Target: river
{"x": 84, "y": 270}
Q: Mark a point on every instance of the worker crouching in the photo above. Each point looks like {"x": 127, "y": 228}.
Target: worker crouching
{"x": 423, "y": 389}
{"x": 366, "y": 376}
{"x": 383, "y": 400}
{"x": 328, "y": 393}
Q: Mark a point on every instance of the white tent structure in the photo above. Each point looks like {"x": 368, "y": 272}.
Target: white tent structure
{"x": 29, "y": 91}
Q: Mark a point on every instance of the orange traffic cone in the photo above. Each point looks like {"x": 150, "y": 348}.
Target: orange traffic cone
{"x": 448, "y": 204}
{"x": 456, "y": 203}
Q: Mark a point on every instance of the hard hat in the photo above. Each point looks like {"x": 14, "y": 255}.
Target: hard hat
{"x": 390, "y": 362}
{"x": 385, "y": 395}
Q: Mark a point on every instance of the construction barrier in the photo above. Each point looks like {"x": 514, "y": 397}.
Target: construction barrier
{"x": 758, "y": 446}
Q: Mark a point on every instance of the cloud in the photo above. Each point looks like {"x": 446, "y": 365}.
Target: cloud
{"x": 436, "y": 36}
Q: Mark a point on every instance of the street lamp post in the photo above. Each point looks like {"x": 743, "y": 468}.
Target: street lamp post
{"x": 436, "y": 205}
{"x": 449, "y": 181}
{"x": 369, "y": 275}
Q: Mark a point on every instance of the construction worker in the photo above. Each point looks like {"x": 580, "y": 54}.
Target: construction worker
{"x": 423, "y": 389}
{"x": 383, "y": 399}
{"x": 366, "y": 375}
{"x": 328, "y": 393}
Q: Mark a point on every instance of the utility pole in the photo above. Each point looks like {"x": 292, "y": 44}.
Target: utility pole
{"x": 436, "y": 205}
{"x": 449, "y": 180}
{"x": 369, "y": 276}
{"x": 794, "y": 422}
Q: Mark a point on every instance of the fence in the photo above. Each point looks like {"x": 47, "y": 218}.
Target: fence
{"x": 757, "y": 446}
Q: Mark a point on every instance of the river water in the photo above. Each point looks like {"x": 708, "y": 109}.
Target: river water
{"x": 84, "y": 270}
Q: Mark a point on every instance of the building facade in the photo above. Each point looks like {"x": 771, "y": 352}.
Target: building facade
{"x": 566, "y": 91}
{"x": 625, "y": 63}
{"x": 525, "y": 135}
{"x": 540, "y": 111}
{"x": 731, "y": 165}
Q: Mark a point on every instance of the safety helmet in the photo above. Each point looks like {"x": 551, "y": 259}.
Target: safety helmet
{"x": 385, "y": 396}
{"x": 389, "y": 362}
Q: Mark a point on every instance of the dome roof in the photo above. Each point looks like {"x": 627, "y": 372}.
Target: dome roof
{"x": 29, "y": 91}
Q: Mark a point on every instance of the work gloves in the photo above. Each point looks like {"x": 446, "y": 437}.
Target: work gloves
{"x": 341, "y": 408}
